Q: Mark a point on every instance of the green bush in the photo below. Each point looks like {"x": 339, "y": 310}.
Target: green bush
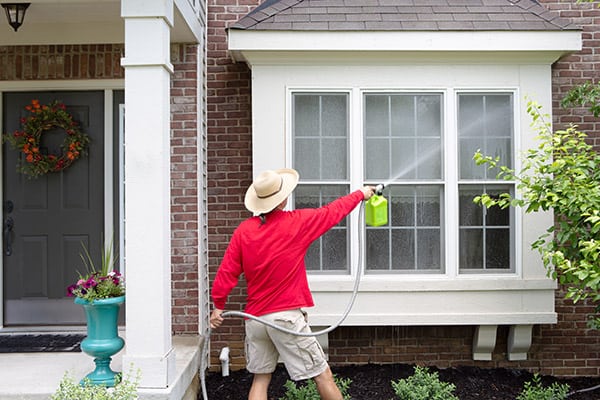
{"x": 423, "y": 385}
{"x": 68, "y": 389}
{"x": 308, "y": 390}
{"x": 533, "y": 390}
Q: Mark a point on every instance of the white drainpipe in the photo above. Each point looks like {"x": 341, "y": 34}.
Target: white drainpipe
{"x": 224, "y": 357}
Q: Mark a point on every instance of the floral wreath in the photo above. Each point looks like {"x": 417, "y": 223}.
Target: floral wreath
{"x": 27, "y": 140}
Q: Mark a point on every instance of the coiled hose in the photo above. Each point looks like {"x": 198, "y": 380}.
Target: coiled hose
{"x": 204, "y": 353}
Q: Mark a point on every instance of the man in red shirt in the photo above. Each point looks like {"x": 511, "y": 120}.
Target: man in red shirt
{"x": 269, "y": 249}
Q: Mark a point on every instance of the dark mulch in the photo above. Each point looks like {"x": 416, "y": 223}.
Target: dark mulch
{"x": 40, "y": 343}
{"x": 372, "y": 382}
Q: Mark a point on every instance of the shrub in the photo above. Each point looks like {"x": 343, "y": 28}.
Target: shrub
{"x": 561, "y": 174}
{"x": 533, "y": 390}
{"x": 423, "y": 385}
{"x": 308, "y": 390}
{"x": 68, "y": 389}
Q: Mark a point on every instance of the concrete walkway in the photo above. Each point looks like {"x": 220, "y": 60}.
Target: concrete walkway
{"x": 35, "y": 376}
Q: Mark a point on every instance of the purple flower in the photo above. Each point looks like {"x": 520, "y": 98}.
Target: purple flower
{"x": 70, "y": 290}
{"x": 90, "y": 283}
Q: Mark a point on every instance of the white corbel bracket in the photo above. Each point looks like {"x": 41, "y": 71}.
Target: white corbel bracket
{"x": 519, "y": 342}
{"x": 484, "y": 341}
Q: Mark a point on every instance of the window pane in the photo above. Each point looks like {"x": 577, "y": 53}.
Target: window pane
{"x": 403, "y": 159}
{"x": 470, "y": 112}
{"x": 320, "y": 134}
{"x": 335, "y": 120}
{"x": 330, "y": 251}
{"x": 485, "y": 240}
{"x": 401, "y": 203}
{"x": 306, "y": 115}
{"x": 499, "y": 115}
{"x": 467, "y": 168}
{"x": 470, "y": 214}
{"x": 428, "y": 206}
{"x": 403, "y": 115}
{"x": 429, "y": 116}
{"x": 403, "y": 249}
{"x": 403, "y": 136}
{"x": 335, "y": 158}
{"x": 429, "y": 152}
{"x": 335, "y": 250}
{"x": 377, "y": 257}
{"x": 306, "y": 153}
{"x": 485, "y": 123}
{"x": 377, "y": 115}
{"x": 498, "y": 249}
{"x": 377, "y": 159}
{"x": 313, "y": 257}
{"x": 428, "y": 245}
{"x": 471, "y": 248}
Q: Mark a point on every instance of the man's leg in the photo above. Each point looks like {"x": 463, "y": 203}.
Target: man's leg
{"x": 260, "y": 385}
{"x": 326, "y": 386}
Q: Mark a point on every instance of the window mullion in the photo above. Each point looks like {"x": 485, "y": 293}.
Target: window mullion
{"x": 357, "y": 176}
{"x": 450, "y": 172}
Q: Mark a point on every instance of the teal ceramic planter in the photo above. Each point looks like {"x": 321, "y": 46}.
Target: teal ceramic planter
{"x": 102, "y": 341}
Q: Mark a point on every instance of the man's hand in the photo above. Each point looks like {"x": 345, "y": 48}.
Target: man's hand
{"x": 215, "y": 318}
{"x": 368, "y": 191}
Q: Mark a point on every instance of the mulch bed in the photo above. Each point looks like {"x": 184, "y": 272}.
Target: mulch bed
{"x": 372, "y": 382}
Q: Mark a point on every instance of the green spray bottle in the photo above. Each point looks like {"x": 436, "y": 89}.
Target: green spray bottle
{"x": 376, "y": 212}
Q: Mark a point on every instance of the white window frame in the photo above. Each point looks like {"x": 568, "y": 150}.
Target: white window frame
{"x": 449, "y": 181}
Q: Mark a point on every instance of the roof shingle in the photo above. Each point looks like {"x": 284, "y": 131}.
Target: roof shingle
{"x": 414, "y": 15}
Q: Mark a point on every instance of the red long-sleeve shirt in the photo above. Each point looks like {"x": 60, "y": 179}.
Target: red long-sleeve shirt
{"x": 271, "y": 256}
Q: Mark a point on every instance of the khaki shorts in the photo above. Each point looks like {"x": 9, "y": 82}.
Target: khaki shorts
{"x": 302, "y": 356}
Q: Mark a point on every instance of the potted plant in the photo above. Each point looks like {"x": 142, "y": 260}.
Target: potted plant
{"x": 101, "y": 293}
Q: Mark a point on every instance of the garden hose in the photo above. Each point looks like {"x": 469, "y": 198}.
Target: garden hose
{"x": 204, "y": 353}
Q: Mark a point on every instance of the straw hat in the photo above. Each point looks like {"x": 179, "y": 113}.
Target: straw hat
{"x": 269, "y": 189}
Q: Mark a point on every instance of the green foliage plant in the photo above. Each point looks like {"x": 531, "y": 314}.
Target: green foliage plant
{"x": 585, "y": 95}
{"x": 423, "y": 385}
{"x": 308, "y": 390}
{"x": 125, "y": 389}
{"x": 533, "y": 390}
{"x": 100, "y": 281}
{"x": 563, "y": 175}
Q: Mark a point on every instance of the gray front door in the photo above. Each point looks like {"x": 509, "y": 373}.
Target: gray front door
{"x": 46, "y": 219}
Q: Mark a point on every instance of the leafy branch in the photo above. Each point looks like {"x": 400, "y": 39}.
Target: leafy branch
{"x": 561, "y": 174}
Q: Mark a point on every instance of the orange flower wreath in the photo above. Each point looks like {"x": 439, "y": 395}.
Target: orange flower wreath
{"x": 43, "y": 118}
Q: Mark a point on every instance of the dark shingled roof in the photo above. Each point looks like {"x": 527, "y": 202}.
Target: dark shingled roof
{"x": 402, "y": 15}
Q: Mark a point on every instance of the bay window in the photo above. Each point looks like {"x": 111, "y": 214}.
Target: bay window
{"x": 409, "y": 110}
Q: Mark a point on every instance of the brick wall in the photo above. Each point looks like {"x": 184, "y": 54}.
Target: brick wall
{"x": 185, "y": 184}
{"x": 229, "y": 156}
{"x": 577, "y": 68}
{"x": 56, "y": 62}
{"x": 94, "y": 61}
{"x": 567, "y": 348}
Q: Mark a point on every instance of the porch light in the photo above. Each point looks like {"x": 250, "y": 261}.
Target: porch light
{"x": 15, "y": 12}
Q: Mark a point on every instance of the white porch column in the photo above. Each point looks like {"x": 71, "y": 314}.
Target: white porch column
{"x": 147, "y": 196}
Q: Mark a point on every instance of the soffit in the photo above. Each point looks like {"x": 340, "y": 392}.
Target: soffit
{"x": 78, "y": 22}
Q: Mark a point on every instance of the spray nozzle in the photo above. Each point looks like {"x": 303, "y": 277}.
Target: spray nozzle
{"x": 379, "y": 189}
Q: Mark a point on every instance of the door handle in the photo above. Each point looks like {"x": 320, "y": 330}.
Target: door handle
{"x": 8, "y": 228}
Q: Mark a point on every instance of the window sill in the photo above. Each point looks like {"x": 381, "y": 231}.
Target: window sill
{"x": 443, "y": 301}
{"x": 408, "y": 283}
